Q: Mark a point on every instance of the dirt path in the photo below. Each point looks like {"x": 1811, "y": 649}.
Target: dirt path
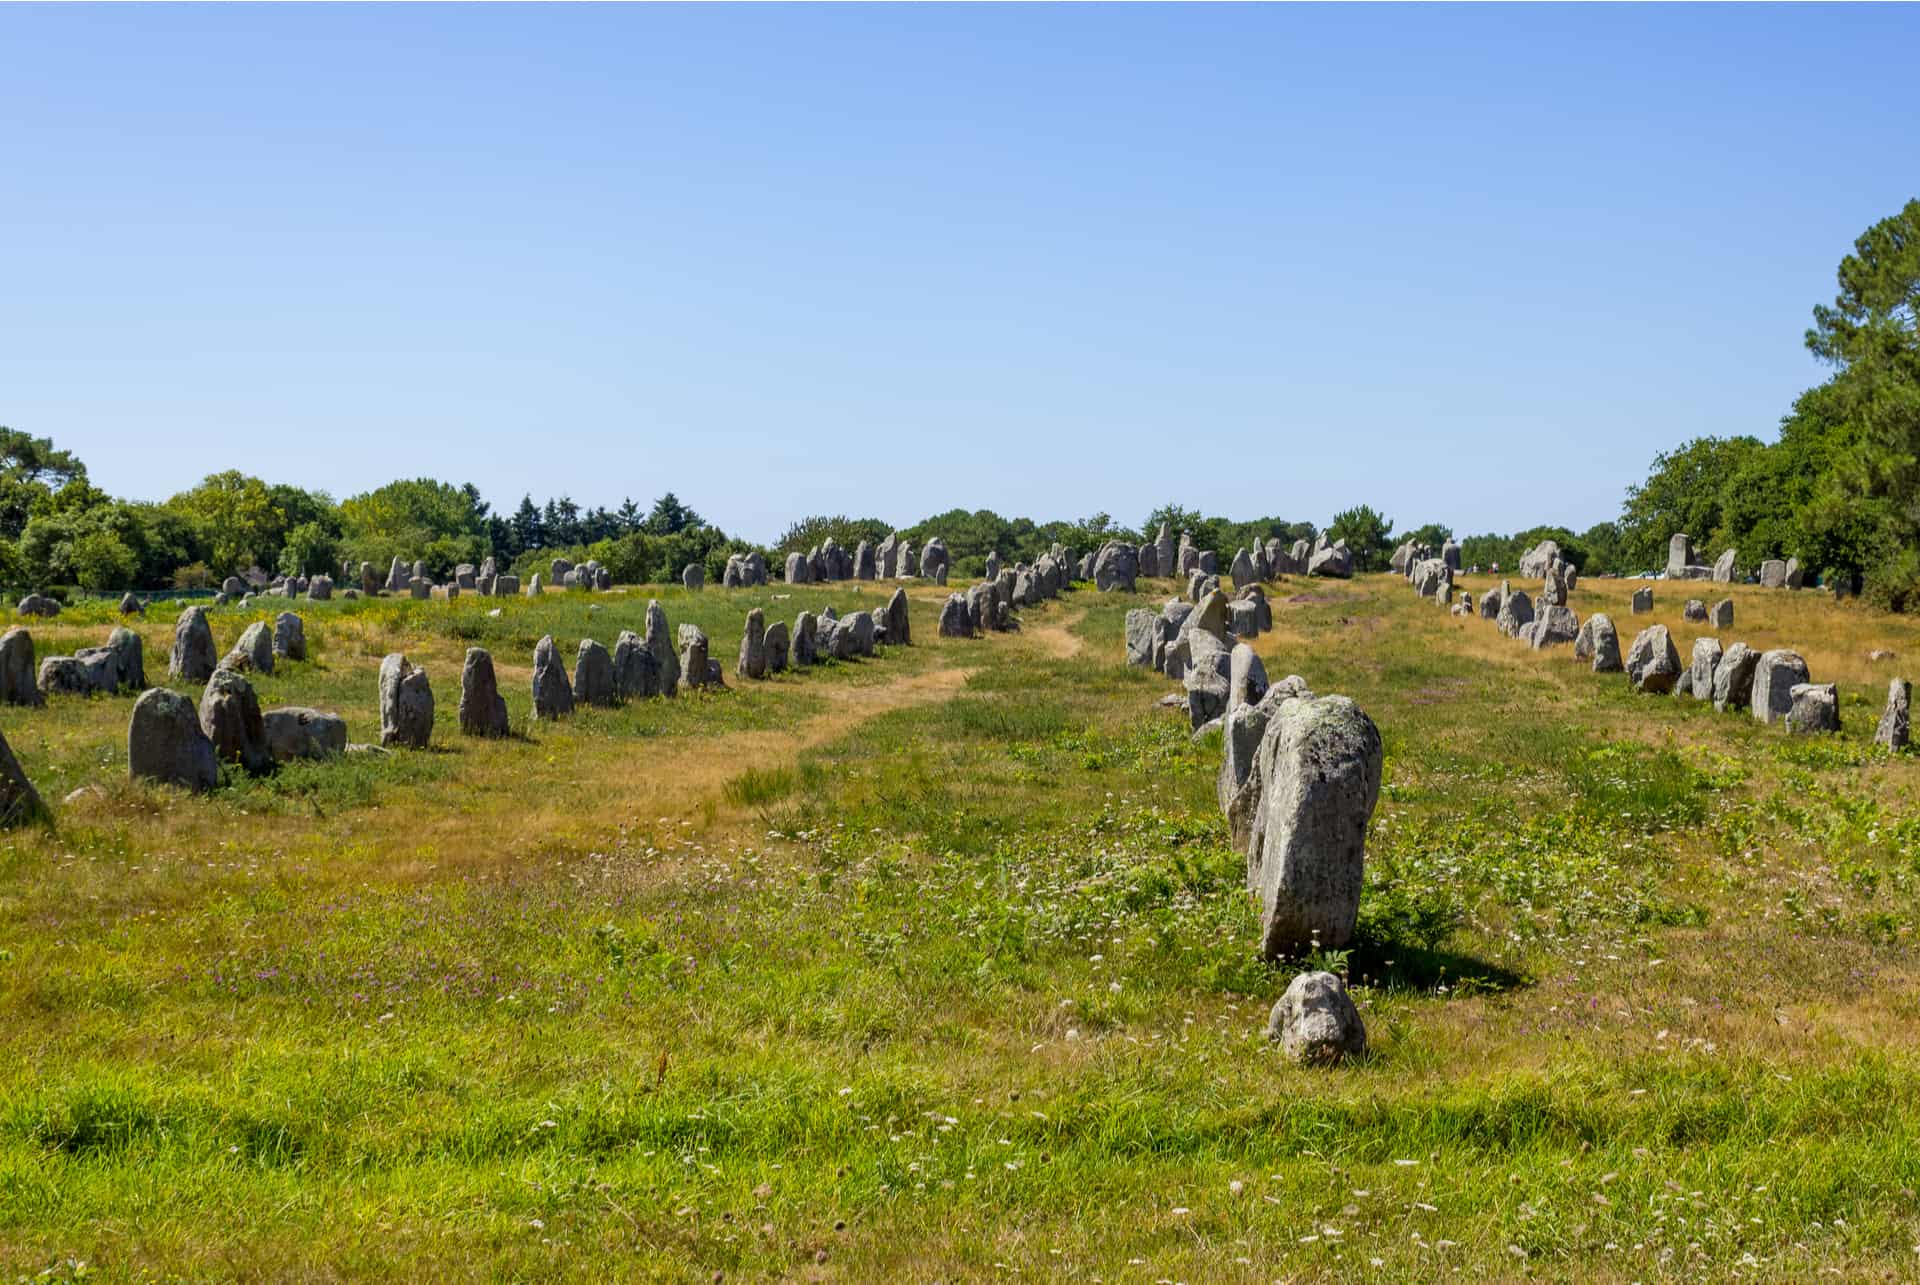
{"x": 1056, "y": 637}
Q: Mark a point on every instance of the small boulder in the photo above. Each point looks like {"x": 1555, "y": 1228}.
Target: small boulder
{"x": 19, "y": 683}
{"x": 776, "y": 645}
{"x": 1643, "y": 600}
{"x": 1775, "y": 675}
{"x": 753, "y": 646}
{"x": 230, "y": 716}
{"x": 1653, "y": 662}
{"x": 35, "y": 604}
{"x": 552, "y": 693}
{"x": 20, "y": 803}
{"x": 1315, "y": 1022}
{"x": 254, "y": 650}
{"x": 1705, "y": 661}
{"x": 593, "y": 675}
{"x": 1720, "y": 616}
{"x": 1733, "y": 678}
{"x": 406, "y": 704}
{"x": 193, "y": 658}
{"x": 483, "y": 710}
{"x": 1893, "y": 731}
{"x": 1695, "y": 611}
{"x": 289, "y": 636}
{"x": 165, "y": 743}
{"x": 693, "y": 652}
{"x": 1815, "y": 708}
{"x": 295, "y": 732}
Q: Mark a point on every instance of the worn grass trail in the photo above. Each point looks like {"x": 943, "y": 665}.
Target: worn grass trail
{"x": 937, "y": 966}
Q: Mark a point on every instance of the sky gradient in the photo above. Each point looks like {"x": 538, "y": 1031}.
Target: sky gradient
{"x": 1469, "y": 265}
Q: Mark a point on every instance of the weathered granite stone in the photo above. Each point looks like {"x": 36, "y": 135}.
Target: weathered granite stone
{"x": 483, "y": 710}
{"x": 693, "y": 576}
{"x": 406, "y": 704}
{"x": 1723, "y": 568}
{"x": 593, "y": 675}
{"x": 1653, "y": 662}
{"x": 1700, "y": 672}
{"x": 1815, "y": 707}
{"x": 18, "y": 681}
{"x": 230, "y": 716}
{"x": 1246, "y": 676}
{"x": 289, "y": 636}
{"x": 777, "y": 646}
{"x": 1516, "y": 613}
{"x": 660, "y": 644}
{"x": 165, "y": 742}
{"x": 1315, "y": 1022}
{"x": 296, "y": 732}
{"x": 1555, "y": 626}
{"x": 693, "y": 655}
{"x": 253, "y": 651}
{"x": 753, "y": 646}
{"x": 1894, "y": 728}
{"x": 1775, "y": 676}
{"x": 806, "y": 640}
{"x": 552, "y": 693}
{"x": 193, "y": 659}
{"x": 1721, "y": 614}
{"x": 20, "y": 803}
{"x": 1773, "y": 574}
{"x": 1733, "y": 678}
{"x": 1642, "y": 600}
{"x": 1695, "y": 611}
{"x": 1320, "y": 761}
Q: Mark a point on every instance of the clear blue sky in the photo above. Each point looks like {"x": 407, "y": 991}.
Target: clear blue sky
{"x": 1470, "y": 265}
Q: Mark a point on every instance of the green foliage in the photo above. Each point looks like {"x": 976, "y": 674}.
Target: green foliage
{"x": 234, "y": 518}
{"x": 417, "y": 518}
{"x": 100, "y": 561}
{"x": 309, "y": 549}
{"x": 1369, "y": 536}
{"x": 847, "y": 532}
{"x": 1433, "y": 535}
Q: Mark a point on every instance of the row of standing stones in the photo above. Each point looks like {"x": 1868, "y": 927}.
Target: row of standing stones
{"x": 1298, "y": 781}
{"x": 1774, "y": 685}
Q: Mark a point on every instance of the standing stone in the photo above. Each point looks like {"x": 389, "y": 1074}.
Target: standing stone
{"x": 1605, "y": 643}
{"x": 129, "y": 660}
{"x": 934, "y": 560}
{"x": 466, "y": 576}
{"x": 1894, "y": 728}
{"x": 1553, "y": 627}
{"x": 534, "y": 587}
{"x": 230, "y": 716}
{"x": 1695, "y": 610}
{"x": 20, "y": 803}
{"x": 369, "y": 581}
{"x": 193, "y": 658}
{"x": 420, "y": 588}
{"x": 753, "y": 646}
{"x": 863, "y": 568}
{"x": 1775, "y": 676}
{"x": 1516, "y": 613}
{"x": 993, "y": 564}
{"x": 320, "y": 589}
{"x": 660, "y": 646}
{"x": 289, "y": 636}
{"x": 1333, "y": 561}
{"x": 1721, "y": 616}
{"x": 1242, "y": 569}
{"x": 483, "y": 710}
{"x": 1723, "y": 568}
{"x": 636, "y": 674}
{"x": 254, "y": 651}
{"x": 1246, "y": 676}
{"x": 1208, "y": 678}
{"x": 552, "y": 693}
{"x": 406, "y": 704}
{"x": 899, "y": 620}
{"x": 806, "y": 640}
{"x": 1815, "y": 708}
{"x": 1139, "y": 632}
{"x": 1115, "y": 566}
{"x": 956, "y": 621}
{"x": 1164, "y": 553}
{"x": 1320, "y": 761}
{"x": 1705, "y": 661}
{"x": 130, "y": 605}
{"x": 693, "y": 655}
{"x": 776, "y": 643}
{"x": 693, "y": 577}
{"x": 18, "y": 683}
{"x": 1796, "y": 577}
{"x": 887, "y": 557}
{"x": 593, "y": 675}
{"x": 797, "y": 570}
{"x": 1243, "y": 619}
{"x": 1653, "y": 662}
{"x": 398, "y": 573}
{"x": 1556, "y": 584}
{"x": 1643, "y": 600}
{"x": 1773, "y": 574}
{"x": 1733, "y": 678}
{"x": 165, "y": 742}
{"x": 1315, "y": 1022}
{"x": 1450, "y": 554}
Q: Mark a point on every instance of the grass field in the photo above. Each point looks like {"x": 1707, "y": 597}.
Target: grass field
{"x": 938, "y": 965}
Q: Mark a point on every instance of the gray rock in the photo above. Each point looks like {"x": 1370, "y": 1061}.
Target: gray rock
{"x": 295, "y": 732}
{"x": 166, "y": 744}
{"x": 507, "y": 586}
{"x": 863, "y": 565}
{"x": 1653, "y": 662}
{"x": 193, "y": 658}
{"x": 1207, "y": 678}
{"x": 1516, "y": 613}
{"x": 130, "y": 605}
{"x": 1490, "y": 604}
{"x": 934, "y": 562}
{"x": 1246, "y": 677}
{"x": 957, "y": 622}
{"x": 899, "y": 622}
{"x": 1555, "y": 626}
{"x": 1733, "y": 678}
{"x": 1429, "y": 576}
{"x": 552, "y": 693}
{"x": 76, "y": 676}
{"x": 806, "y": 639}
{"x": 693, "y": 576}
{"x": 18, "y": 682}
{"x": 1893, "y": 731}
{"x": 753, "y": 646}
{"x": 593, "y": 675}
{"x": 420, "y": 588}
{"x": 406, "y": 704}
{"x": 254, "y": 650}
{"x": 1535, "y": 561}
{"x": 1723, "y": 568}
{"x": 1243, "y": 619}
{"x": 289, "y": 636}
{"x": 1775, "y": 676}
{"x": 1721, "y": 615}
{"x": 320, "y": 589}
{"x": 230, "y": 716}
{"x": 1209, "y": 615}
{"x": 862, "y": 625}
{"x": 798, "y": 572}
{"x": 1642, "y": 600}
{"x": 233, "y": 586}
{"x": 1695, "y": 610}
{"x": 1315, "y": 1022}
{"x": 1796, "y": 577}
{"x": 20, "y": 803}
{"x": 1335, "y": 562}
{"x": 129, "y": 660}
{"x": 398, "y": 574}
{"x": 1320, "y": 762}
{"x": 1603, "y": 643}
{"x": 1140, "y": 631}
{"x": 1242, "y": 570}
{"x": 776, "y": 644}
{"x": 1680, "y": 560}
{"x": 557, "y": 570}
{"x": 483, "y": 710}
{"x": 1450, "y": 554}
{"x": 693, "y": 655}
{"x": 1705, "y": 661}
{"x": 1773, "y": 574}
{"x": 636, "y": 673}
{"x": 1115, "y": 567}
{"x": 660, "y": 645}
{"x": 1208, "y": 562}
{"x": 369, "y": 582}
{"x": 1815, "y": 708}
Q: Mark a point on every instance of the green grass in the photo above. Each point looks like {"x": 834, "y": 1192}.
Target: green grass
{"x": 891, "y": 971}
